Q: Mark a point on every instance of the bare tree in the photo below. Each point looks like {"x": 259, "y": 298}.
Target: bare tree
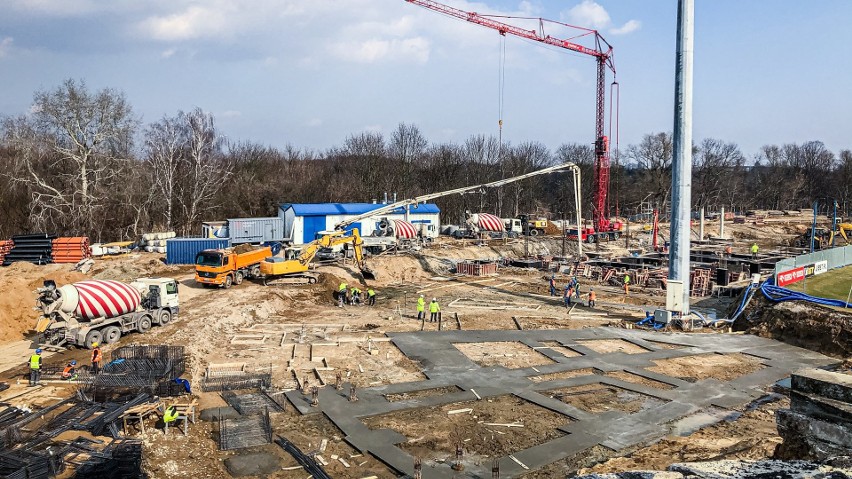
{"x": 204, "y": 170}
{"x": 717, "y": 171}
{"x": 406, "y": 147}
{"x": 165, "y": 142}
{"x": 67, "y": 152}
{"x": 653, "y": 158}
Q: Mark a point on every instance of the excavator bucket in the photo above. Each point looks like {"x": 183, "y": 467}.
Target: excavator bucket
{"x": 367, "y": 273}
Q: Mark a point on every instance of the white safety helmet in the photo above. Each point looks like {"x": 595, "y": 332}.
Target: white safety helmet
{"x": 421, "y": 295}
{"x": 434, "y": 299}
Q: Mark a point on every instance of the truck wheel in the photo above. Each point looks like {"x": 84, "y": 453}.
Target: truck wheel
{"x": 166, "y": 316}
{"x": 590, "y": 239}
{"x": 533, "y": 232}
{"x": 312, "y": 280}
{"x": 239, "y": 278}
{"x": 92, "y": 337}
{"x": 616, "y": 235}
{"x": 144, "y": 324}
{"x": 111, "y": 334}
{"x": 228, "y": 282}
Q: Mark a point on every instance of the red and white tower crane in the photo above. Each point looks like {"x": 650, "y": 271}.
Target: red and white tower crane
{"x": 601, "y": 50}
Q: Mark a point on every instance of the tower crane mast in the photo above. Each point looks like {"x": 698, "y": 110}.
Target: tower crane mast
{"x": 603, "y": 54}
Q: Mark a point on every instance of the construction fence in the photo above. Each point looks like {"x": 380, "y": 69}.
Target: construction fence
{"x": 793, "y": 269}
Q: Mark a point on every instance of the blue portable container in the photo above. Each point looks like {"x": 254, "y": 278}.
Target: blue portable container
{"x": 183, "y": 250}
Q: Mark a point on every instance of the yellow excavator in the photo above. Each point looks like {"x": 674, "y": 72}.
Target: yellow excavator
{"x": 842, "y": 229}
{"x": 294, "y": 271}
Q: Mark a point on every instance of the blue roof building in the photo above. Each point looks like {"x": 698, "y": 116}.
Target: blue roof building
{"x": 302, "y": 221}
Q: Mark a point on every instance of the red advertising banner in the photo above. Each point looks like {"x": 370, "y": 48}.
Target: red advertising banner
{"x": 791, "y": 276}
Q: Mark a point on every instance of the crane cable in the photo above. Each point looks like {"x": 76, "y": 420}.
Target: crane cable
{"x": 614, "y": 101}
{"x": 501, "y": 87}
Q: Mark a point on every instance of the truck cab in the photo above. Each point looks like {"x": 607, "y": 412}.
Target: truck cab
{"x": 162, "y": 294}
{"x": 514, "y": 227}
{"x": 225, "y": 267}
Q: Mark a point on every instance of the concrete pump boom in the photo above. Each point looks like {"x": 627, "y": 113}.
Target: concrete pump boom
{"x": 494, "y": 184}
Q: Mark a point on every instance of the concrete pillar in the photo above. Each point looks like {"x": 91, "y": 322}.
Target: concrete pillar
{"x": 682, "y": 160}
{"x": 722, "y": 223}
{"x": 701, "y": 225}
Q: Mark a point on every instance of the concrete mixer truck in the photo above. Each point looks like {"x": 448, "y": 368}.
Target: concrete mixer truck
{"x": 101, "y": 311}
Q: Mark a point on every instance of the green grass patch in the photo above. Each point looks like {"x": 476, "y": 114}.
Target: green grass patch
{"x": 833, "y": 284}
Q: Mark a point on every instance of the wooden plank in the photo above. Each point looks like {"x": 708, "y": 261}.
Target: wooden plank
{"x": 460, "y": 411}
{"x": 518, "y": 462}
{"x": 517, "y": 323}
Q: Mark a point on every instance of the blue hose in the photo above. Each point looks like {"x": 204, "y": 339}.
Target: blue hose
{"x": 778, "y": 294}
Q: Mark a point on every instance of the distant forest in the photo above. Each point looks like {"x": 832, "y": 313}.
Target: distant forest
{"x": 81, "y": 163}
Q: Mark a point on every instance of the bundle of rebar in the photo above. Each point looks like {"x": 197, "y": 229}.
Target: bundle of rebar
{"x": 121, "y": 459}
{"x": 241, "y": 381}
{"x": 315, "y": 470}
{"x": 25, "y": 464}
{"x": 114, "y": 411}
{"x": 247, "y": 431}
{"x": 251, "y": 403}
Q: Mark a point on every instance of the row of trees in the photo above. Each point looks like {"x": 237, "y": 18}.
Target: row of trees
{"x": 81, "y": 163}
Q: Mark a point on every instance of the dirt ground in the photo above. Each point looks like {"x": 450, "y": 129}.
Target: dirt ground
{"x": 482, "y": 432}
{"x": 724, "y": 367}
{"x": 598, "y": 398}
{"x": 298, "y": 331}
{"x": 752, "y": 436}
{"x": 511, "y": 355}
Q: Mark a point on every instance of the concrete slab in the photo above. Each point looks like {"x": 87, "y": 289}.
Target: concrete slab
{"x": 444, "y": 365}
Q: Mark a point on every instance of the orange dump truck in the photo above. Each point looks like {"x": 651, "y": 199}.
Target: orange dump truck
{"x": 225, "y": 267}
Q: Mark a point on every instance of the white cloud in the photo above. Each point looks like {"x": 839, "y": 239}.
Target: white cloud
{"x": 629, "y": 27}
{"x": 194, "y": 22}
{"x": 313, "y": 122}
{"x": 590, "y": 14}
{"x": 5, "y": 46}
{"x": 168, "y": 53}
{"x": 377, "y": 50}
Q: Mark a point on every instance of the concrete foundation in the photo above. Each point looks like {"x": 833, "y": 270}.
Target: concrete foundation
{"x": 446, "y": 366}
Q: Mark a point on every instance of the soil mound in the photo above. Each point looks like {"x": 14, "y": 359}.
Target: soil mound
{"x": 807, "y": 325}
{"x": 18, "y": 283}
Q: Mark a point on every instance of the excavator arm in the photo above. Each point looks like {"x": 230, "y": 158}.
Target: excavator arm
{"x": 357, "y": 246}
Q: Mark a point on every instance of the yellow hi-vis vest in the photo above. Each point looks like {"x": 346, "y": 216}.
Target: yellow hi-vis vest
{"x": 433, "y": 307}
{"x": 170, "y": 415}
{"x": 421, "y": 305}
{"x": 35, "y": 361}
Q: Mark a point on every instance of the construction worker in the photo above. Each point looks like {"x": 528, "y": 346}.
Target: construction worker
{"x": 35, "y": 367}
{"x": 728, "y": 251}
{"x": 434, "y": 309}
{"x": 170, "y": 415}
{"x": 626, "y": 284}
{"x": 592, "y": 297}
{"x": 341, "y": 294}
{"x": 754, "y": 249}
{"x": 577, "y": 289}
{"x": 421, "y": 308}
{"x": 70, "y": 371}
{"x": 553, "y": 285}
{"x": 371, "y": 297}
{"x": 96, "y": 357}
{"x": 356, "y": 295}
{"x": 566, "y": 295}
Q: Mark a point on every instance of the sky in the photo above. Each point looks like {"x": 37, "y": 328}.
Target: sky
{"x": 310, "y": 73}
